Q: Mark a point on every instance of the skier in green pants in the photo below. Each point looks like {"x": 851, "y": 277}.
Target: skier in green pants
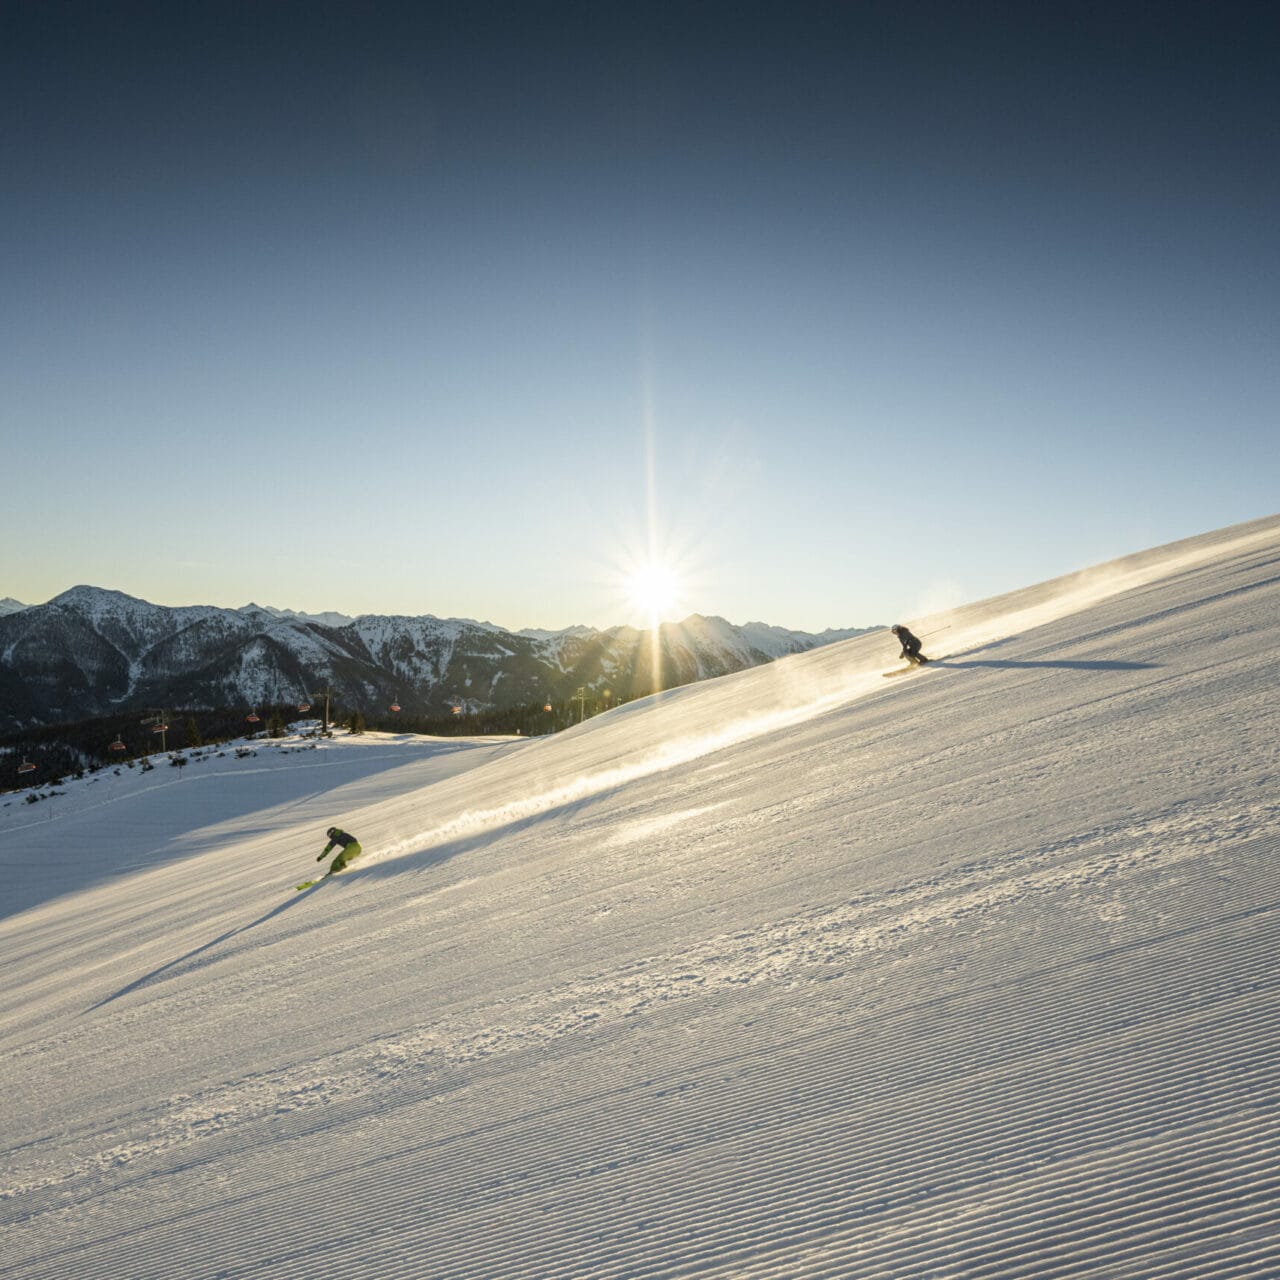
{"x": 350, "y": 850}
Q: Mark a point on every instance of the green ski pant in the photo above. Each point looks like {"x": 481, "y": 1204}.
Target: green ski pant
{"x": 348, "y": 855}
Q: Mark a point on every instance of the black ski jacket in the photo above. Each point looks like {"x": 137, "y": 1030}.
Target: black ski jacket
{"x": 910, "y": 644}
{"x": 338, "y": 838}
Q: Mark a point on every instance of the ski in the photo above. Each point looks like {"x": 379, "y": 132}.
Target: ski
{"x": 310, "y": 884}
{"x": 911, "y": 666}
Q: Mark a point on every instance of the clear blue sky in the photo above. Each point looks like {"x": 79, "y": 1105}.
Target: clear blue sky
{"x": 844, "y": 310}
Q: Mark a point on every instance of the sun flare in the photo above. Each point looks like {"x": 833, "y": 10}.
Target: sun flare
{"x": 653, "y": 590}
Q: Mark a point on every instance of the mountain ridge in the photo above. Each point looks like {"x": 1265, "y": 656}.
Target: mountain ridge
{"x": 93, "y": 650}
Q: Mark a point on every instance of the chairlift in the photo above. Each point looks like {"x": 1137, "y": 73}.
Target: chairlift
{"x": 160, "y": 728}
{"x": 457, "y": 710}
{"x": 117, "y": 745}
{"x": 395, "y": 706}
{"x": 304, "y": 707}
{"x": 26, "y": 767}
{"x": 546, "y": 706}
{"x": 252, "y": 717}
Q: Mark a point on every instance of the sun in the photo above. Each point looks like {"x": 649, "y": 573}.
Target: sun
{"x": 653, "y": 590}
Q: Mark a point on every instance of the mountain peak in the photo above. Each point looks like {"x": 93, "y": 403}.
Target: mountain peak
{"x": 83, "y": 594}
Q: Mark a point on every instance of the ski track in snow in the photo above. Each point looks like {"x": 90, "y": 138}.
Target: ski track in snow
{"x": 966, "y": 975}
{"x": 787, "y": 950}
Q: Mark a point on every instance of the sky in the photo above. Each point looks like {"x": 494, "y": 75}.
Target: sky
{"x": 827, "y": 314}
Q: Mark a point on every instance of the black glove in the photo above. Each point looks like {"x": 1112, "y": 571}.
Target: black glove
{"x": 320, "y": 857}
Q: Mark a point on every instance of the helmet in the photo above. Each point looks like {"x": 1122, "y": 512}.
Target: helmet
{"x": 895, "y": 628}
{"x": 333, "y": 831}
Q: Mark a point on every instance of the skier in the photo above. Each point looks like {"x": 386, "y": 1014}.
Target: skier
{"x": 350, "y": 850}
{"x": 910, "y": 645}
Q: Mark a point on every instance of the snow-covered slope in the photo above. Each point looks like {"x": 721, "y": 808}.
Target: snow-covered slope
{"x": 800, "y": 972}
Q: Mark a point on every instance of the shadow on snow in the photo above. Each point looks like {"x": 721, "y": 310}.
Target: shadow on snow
{"x": 389, "y": 867}
{"x": 1062, "y": 664}
{"x": 190, "y": 955}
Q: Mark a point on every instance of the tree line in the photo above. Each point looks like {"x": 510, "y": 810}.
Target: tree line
{"x": 75, "y": 748}
{"x": 530, "y": 720}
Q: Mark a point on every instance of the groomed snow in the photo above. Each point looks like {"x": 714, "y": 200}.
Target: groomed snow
{"x": 798, "y": 973}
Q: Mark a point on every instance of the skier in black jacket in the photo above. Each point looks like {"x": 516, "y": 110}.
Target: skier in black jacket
{"x": 910, "y": 645}
{"x": 350, "y": 850}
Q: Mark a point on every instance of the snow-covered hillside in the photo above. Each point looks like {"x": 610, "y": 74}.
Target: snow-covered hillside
{"x": 801, "y": 972}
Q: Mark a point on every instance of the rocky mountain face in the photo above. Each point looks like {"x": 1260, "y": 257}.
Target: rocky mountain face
{"x": 91, "y": 652}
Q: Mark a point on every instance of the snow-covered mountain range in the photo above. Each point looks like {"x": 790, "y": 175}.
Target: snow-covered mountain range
{"x": 91, "y": 652}
{"x": 797, "y": 974}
